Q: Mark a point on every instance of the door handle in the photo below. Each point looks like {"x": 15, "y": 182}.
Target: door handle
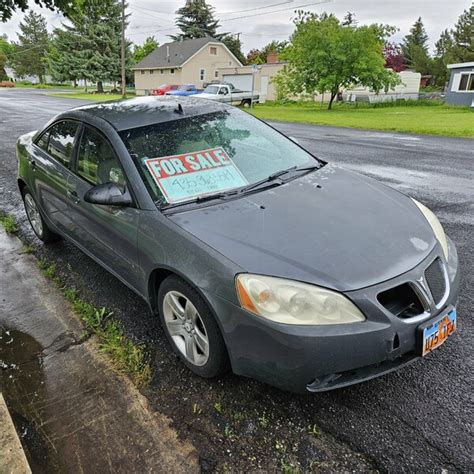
{"x": 32, "y": 164}
{"x": 72, "y": 195}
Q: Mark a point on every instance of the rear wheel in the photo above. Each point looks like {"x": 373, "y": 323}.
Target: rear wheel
{"x": 246, "y": 103}
{"x": 191, "y": 328}
{"x": 38, "y": 224}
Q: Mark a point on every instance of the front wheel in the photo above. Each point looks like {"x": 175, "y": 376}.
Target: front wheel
{"x": 38, "y": 224}
{"x": 191, "y": 328}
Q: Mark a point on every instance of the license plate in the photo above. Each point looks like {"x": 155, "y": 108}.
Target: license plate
{"x": 435, "y": 333}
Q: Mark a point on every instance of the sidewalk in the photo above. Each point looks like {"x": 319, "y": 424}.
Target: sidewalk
{"x": 72, "y": 412}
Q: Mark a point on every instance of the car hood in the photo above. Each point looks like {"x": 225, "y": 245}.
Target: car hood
{"x": 332, "y": 227}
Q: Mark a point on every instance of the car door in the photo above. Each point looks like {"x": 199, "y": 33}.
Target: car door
{"x": 108, "y": 233}
{"x": 50, "y": 161}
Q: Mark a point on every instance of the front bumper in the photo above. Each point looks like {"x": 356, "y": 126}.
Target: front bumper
{"x": 320, "y": 358}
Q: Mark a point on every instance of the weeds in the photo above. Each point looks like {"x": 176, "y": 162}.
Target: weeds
{"x": 218, "y": 407}
{"x": 27, "y": 249}
{"x": 127, "y": 356}
{"x": 8, "y": 223}
{"x": 314, "y": 430}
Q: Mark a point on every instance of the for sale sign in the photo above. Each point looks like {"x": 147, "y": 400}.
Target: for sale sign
{"x": 186, "y": 176}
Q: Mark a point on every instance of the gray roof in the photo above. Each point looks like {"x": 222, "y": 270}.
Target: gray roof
{"x": 179, "y": 53}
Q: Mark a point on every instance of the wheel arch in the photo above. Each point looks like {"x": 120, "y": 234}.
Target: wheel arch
{"x": 156, "y": 278}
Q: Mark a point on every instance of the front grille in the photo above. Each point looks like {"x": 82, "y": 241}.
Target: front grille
{"x": 436, "y": 282}
{"x": 402, "y": 301}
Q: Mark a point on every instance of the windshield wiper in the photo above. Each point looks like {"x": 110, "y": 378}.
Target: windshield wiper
{"x": 200, "y": 199}
{"x": 268, "y": 179}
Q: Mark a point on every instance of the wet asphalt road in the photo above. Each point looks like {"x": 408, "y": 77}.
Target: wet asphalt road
{"x": 417, "y": 419}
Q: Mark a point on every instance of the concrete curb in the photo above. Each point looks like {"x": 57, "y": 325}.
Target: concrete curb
{"x": 11, "y": 452}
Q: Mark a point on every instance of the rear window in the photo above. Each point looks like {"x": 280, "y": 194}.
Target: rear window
{"x": 209, "y": 153}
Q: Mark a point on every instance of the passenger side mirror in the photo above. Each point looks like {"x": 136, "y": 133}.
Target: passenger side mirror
{"x": 108, "y": 194}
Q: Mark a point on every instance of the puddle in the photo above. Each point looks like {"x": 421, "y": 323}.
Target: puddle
{"x": 22, "y": 384}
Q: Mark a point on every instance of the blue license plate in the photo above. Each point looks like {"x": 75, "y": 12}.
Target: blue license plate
{"x": 434, "y": 334}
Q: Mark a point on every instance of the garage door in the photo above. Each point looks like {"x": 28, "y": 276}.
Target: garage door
{"x": 240, "y": 81}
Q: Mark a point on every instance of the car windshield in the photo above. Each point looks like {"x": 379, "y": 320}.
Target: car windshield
{"x": 185, "y": 88}
{"x": 211, "y": 90}
{"x": 190, "y": 157}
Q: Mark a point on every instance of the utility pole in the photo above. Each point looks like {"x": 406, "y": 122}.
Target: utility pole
{"x": 124, "y": 90}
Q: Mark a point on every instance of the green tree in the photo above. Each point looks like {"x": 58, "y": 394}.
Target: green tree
{"x": 65, "y": 57}
{"x": 443, "y": 56}
{"x": 463, "y": 37}
{"x": 29, "y": 57}
{"x": 196, "y": 20}
{"x": 326, "y": 56}
{"x": 415, "y": 48}
{"x": 7, "y": 8}
{"x": 6, "y": 49}
{"x": 260, "y": 56}
{"x": 89, "y": 49}
{"x": 235, "y": 46}
{"x": 141, "y": 51}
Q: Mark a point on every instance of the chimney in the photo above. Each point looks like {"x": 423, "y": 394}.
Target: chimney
{"x": 272, "y": 57}
{"x": 167, "y": 53}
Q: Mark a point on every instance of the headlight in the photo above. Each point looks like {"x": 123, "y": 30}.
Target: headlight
{"x": 435, "y": 225}
{"x": 292, "y": 302}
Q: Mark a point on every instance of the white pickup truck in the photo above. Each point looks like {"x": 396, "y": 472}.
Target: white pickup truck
{"x": 229, "y": 94}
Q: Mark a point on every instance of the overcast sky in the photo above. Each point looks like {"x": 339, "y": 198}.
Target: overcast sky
{"x": 258, "y": 25}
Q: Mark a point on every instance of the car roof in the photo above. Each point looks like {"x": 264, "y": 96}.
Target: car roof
{"x": 143, "y": 111}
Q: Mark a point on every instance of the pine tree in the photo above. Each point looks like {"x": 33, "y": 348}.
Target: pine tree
{"x": 415, "y": 48}
{"x": 463, "y": 37}
{"x": 90, "y": 48}
{"x": 443, "y": 56}
{"x": 196, "y": 20}
{"x": 29, "y": 57}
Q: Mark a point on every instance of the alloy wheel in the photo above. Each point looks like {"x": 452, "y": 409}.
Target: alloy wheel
{"x": 186, "y": 327}
{"x": 33, "y": 215}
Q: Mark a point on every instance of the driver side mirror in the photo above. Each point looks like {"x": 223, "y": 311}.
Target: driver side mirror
{"x": 108, "y": 194}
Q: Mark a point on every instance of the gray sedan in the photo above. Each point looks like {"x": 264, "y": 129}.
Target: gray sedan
{"x": 256, "y": 255}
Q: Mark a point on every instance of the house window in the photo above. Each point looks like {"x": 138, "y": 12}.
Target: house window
{"x": 467, "y": 82}
{"x": 142, "y": 71}
{"x": 213, "y": 51}
{"x": 171, "y": 71}
{"x": 202, "y": 74}
{"x": 216, "y": 74}
{"x": 162, "y": 71}
{"x": 152, "y": 72}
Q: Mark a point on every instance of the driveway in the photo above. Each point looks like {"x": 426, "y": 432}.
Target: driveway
{"x": 417, "y": 419}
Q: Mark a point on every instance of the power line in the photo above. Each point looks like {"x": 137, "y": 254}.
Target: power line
{"x": 278, "y": 11}
{"x": 245, "y": 16}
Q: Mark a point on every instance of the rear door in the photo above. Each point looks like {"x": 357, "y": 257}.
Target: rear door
{"x": 50, "y": 163}
{"x": 109, "y": 233}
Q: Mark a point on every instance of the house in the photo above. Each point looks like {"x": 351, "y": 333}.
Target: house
{"x": 241, "y": 77}
{"x": 409, "y": 88}
{"x": 461, "y": 84}
{"x": 195, "y": 61}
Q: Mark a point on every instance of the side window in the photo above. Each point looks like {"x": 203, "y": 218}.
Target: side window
{"x": 42, "y": 142}
{"x": 61, "y": 141}
{"x": 96, "y": 160}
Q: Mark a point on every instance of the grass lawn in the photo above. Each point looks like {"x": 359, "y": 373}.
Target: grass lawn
{"x": 89, "y": 96}
{"x": 436, "y": 119}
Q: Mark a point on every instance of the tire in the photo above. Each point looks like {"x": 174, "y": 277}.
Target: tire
{"x": 245, "y": 103}
{"x": 188, "y": 323}
{"x": 37, "y": 223}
